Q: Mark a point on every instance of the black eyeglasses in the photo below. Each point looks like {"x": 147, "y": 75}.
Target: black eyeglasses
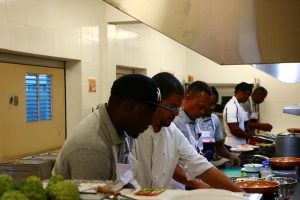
{"x": 169, "y": 108}
{"x": 165, "y": 107}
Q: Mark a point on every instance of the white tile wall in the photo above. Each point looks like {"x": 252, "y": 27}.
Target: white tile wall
{"x": 18, "y": 37}
{"x": 76, "y": 29}
{"x": 3, "y": 9}
{"x": 155, "y": 52}
{"x": 16, "y": 10}
{"x": 64, "y": 29}
{"x": 4, "y": 32}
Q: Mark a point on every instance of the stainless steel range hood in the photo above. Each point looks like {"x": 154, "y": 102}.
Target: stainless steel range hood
{"x": 265, "y": 33}
{"x": 292, "y": 109}
{"x": 230, "y": 32}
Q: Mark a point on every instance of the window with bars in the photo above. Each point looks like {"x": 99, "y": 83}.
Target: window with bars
{"x": 38, "y": 97}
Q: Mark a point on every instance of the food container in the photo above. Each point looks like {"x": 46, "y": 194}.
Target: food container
{"x": 287, "y": 186}
{"x": 252, "y": 167}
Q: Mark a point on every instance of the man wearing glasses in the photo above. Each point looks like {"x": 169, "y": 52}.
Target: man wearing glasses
{"x": 156, "y": 152}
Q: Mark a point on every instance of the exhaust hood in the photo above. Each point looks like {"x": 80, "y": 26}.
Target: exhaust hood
{"x": 262, "y": 33}
{"x": 231, "y": 32}
{"x": 293, "y": 109}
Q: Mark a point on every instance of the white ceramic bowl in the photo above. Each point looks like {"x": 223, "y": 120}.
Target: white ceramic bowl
{"x": 253, "y": 167}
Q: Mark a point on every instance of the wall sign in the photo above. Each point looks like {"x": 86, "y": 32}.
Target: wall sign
{"x": 92, "y": 84}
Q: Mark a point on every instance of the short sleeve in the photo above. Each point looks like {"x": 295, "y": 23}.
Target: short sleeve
{"x": 218, "y": 130}
{"x": 231, "y": 113}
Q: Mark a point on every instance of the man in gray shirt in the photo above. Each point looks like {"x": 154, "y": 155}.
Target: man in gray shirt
{"x": 92, "y": 150}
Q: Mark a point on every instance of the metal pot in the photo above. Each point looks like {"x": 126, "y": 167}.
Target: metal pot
{"x": 287, "y": 186}
{"x": 287, "y": 145}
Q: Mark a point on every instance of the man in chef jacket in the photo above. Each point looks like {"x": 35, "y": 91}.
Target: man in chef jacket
{"x": 251, "y": 107}
{"x": 156, "y": 152}
{"x": 235, "y": 118}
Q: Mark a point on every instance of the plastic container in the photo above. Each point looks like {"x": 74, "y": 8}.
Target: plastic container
{"x": 253, "y": 167}
{"x": 265, "y": 171}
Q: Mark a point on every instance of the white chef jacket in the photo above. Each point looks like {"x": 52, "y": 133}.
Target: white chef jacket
{"x": 154, "y": 157}
{"x": 233, "y": 112}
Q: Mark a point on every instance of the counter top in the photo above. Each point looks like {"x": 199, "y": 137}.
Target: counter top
{"x": 211, "y": 193}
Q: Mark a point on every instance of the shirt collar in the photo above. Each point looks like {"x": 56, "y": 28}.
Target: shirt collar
{"x": 185, "y": 118}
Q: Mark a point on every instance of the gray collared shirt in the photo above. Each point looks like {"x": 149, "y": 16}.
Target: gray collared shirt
{"x": 182, "y": 121}
{"x": 87, "y": 152}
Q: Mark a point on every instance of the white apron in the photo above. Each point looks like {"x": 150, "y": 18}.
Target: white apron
{"x": 124, "y": 172}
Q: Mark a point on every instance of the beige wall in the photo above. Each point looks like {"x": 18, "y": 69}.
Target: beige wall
{"x": 280, "y": 94}
{"x": 136, "y": 45}
{"x": 143, "y": 47}
{"x": 75, "y": 32}
{"x": 19, "y": 137}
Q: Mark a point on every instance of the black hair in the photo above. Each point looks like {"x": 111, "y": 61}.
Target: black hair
{"x": 135, "y": 87}
{"x": 260, "y": 90}
{"x": 168, "y": 84}
{"x": 243, "y": 86}
{"x": 214, "y": 91}
{"x": 197, "y": 87}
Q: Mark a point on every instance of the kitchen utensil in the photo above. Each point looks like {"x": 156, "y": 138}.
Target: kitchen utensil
{"x": 287, "y": 145}
{"x": 282, "y": 162}
{"x": 287, "y": 186}
{"x": 252, "y": 167}
{"x": 258, "y": 186}
{"x": 111, "y": 194}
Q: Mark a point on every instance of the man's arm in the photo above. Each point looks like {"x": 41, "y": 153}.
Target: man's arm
{"x": 260, "y": 126}
{"x": 237, "y": 131}
{"x": 179, "y": 175}
{"x": 217, "y": 179}
{"x": 222, "y": 151}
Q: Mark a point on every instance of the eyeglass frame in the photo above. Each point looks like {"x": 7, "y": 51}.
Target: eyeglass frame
{"x": 165, "y": 107}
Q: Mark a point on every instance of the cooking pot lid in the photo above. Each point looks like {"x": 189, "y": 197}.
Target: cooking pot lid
{"x": 288, "y": 134}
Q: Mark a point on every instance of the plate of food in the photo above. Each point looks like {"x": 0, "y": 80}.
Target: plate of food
{"x": 241, "y": 149}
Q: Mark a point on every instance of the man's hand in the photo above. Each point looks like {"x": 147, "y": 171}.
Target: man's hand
{"x": 266, "y": 127}
{"x": 234, "y": 161}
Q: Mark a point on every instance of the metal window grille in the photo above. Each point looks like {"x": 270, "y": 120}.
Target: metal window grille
{"x": 38, "y": 97}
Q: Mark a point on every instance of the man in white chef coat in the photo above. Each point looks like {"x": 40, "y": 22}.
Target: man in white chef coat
{"x": 157, "y": 151}
{"x": 235, "y": 119}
